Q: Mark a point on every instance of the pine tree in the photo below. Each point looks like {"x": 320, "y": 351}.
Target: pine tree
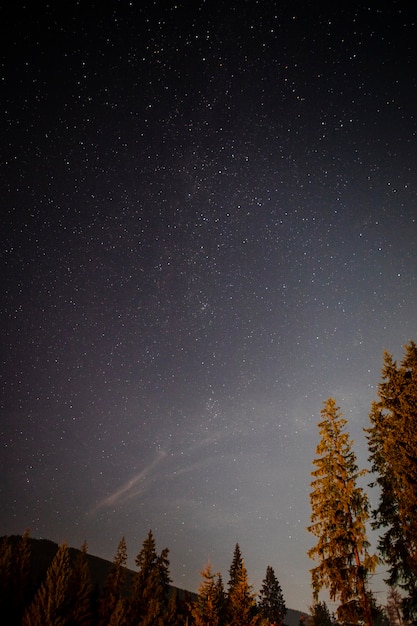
{"x": 221, "y": 599}
{"x": 394, "y": 607}
{"x": 392, "y": 442}
{"x": 271, "y": 604}
{"x": 151, "y": 585}
{"x": 321, "y": 616}
{"x": 208, "y": 609}
{"x": 235, "y": 567}
{"x": 119, "y": 616}
{"x": 81, "y": 591}
{"x": 50, "y": 606}
{"x": 339, "y": 513}
{"x": 241, "y": 605}
{"x": 112, "y": 602}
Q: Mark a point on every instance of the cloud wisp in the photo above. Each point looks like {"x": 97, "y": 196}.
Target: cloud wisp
{"x": 129, "y": 489}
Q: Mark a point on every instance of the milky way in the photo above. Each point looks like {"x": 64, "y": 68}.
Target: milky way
{"x": 208, "y": 228}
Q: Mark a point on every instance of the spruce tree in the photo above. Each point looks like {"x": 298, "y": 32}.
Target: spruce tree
{"x": 392, "y": 442}
{"x": 235, "y": 567}
{"x": 151, "y": 585}
{"x": 220, "y": 599}
{"x": 394, "y": 607}
{"x": 80, "y": 591}
{"x": 208, "y": 609}
{"x": 50, "y": 606}
{"x": 321, "y": 616}
{"x": 339, "y": 514}
{"x": 241, "y": 605}
{"x": 119, "y": 616}
{"x": 271, "y": 604}
{"x": 112, "y": 602}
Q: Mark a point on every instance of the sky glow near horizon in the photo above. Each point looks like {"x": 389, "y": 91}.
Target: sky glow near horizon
{"x": 208, "y": 228}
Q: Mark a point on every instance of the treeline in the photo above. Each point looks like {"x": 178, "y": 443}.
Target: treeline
{"x": 341, "y": 509}
{"x": 67, "y": 596}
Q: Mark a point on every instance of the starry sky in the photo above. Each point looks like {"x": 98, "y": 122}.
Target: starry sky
{"x": 208, "y": 227}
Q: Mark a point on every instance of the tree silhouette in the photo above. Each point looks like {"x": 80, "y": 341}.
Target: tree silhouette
{"x": 394, "y": 607}
{"x": 112, "y": 604}
{"x": 235, "y": 567}
{"x": 392, "y": 442}
{"x": 208, "y": 609}
{"x": 50, "y": 606}
{"x": 321, "y": 616}
{"x": 241, "y": 605}
{"x": 271, "y": 604}
{"x": 151, "y": 585}
{"x": 80, "y": 591}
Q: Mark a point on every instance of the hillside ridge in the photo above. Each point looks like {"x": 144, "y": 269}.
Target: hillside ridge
{"x": 44, "y": 550}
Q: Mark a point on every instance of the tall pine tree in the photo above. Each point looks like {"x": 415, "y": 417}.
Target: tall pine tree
{"x": 235, "y": 567}
{"x": 208, "y": 609}
{"x": 271, "y": 604}
{"x": 392, "y": 441}
{"x": 241, "y": 605}
{"x": 51, "y": 606}
{"x": 321, "y": 616}
{"x": 339, "y": 514}
{"x": 394, "y": 607}
{"x": 80, "y": 591}
{"x": 112, "y": 602}
{"x": 151, "y": 586}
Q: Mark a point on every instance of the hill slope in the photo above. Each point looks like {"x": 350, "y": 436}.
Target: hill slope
{"x": 44, "y": 550}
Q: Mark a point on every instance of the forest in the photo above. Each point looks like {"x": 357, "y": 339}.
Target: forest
{"x": 69, "y": 591}
{"x": 64, "y": 592}
{"x": 340, "y": 509}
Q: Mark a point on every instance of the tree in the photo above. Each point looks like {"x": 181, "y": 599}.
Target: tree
{"x": 235, "y": 567}
{"x": 208, "y": 609}
{"x": 378, "y": 612}
{"x": 241, "y": 605}
{"x": 119, "y": 615}
{"x": 50, "y": 606}
{"x": 112, "y": 603}
{"x": 271, "y": 604}
{"x": 392, "y": 443}
{"x": 394, "y": 607}
{"x": 321, "y": 616}
{"x": 352, "y": 612}
{"x": 80, "y": 591}
{"x": 151, "y": 585}
{"x": 339, "y": 514}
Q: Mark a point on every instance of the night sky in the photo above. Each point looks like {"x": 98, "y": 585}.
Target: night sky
{"x": 208, "y": 227}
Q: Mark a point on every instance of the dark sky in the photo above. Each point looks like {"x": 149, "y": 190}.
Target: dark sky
{"x": 208, "y": 227}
